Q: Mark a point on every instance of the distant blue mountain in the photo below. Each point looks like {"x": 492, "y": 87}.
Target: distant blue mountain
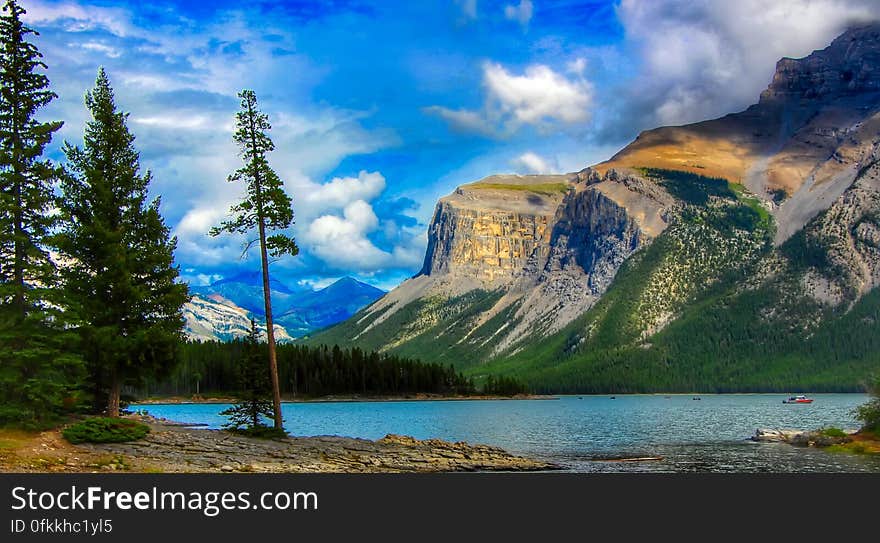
{"x": 299, "y": 310}
{"x": 327, "y": 306}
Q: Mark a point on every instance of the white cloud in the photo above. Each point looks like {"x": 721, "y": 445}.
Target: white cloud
{"x": 76, "y": 18}
{"x": 142, "y": 81}
{"x": 317, "y": 283}
{"x": 340, "y": 221}
{"x": 705, "y": 59}
{"x": 339, "y": 192}
{"x": 577, "y": 66}
{"x": 103, "y": 48}
{"x": 530, "y": 162}
{"x": 540, "y": 97}
{"x": 521, "y": 13}
{"x": 463, "y": 120}
{"x": 176, "y": 121}
{"x": 342, "y": 241}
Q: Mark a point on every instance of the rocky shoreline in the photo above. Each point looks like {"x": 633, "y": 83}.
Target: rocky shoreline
{"x": 803, "y": 438}
{"x": 174, "y": 448}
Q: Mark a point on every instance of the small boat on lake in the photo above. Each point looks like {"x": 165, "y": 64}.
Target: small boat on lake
{"x": 798, "y": 399}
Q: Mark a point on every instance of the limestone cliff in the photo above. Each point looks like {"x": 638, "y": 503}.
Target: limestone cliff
{"x": 545, "y": 247}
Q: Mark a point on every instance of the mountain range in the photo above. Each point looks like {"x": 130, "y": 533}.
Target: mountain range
{"x": 739, "y": 253}
{"x": 222, "y": 310}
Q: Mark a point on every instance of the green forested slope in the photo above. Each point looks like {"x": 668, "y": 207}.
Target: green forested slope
{"x": 709, "y": 305}
{"x": 738, "y": 319}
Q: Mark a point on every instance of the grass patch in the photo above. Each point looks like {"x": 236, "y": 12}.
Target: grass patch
{"x": 113, "y": 462}
{"x": 547, "y": 189}
{"x": 105, "y": 430}
{"x": 13, "y": 438}
{"x": 855, "y": 447}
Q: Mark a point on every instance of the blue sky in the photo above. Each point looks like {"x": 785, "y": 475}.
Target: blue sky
{"x": 380, "y": 108}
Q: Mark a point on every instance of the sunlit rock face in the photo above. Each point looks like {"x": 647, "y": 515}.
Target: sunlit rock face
{"x": 799, "y": 148}
{"x": 495, "y": 229}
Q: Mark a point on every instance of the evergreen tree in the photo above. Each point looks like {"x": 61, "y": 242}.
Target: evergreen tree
{"x": 265, "y": 207}
{"x": 255, "y": 389}
{"x": 35, "y": 374}
{"x": 121, "y": 280}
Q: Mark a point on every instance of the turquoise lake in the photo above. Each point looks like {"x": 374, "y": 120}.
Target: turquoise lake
{"x": 584, "y": 432}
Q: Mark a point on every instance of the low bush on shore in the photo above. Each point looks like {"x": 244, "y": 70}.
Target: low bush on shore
{"x": 869, "y": 413}
{"x": 105, "y": 430}
{"x": 832, "y": 432}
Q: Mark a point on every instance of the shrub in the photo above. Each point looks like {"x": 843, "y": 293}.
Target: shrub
{"x": 105, "y": 430}
{"x": 833, "y": 432}
{"x": 869, "y": 413}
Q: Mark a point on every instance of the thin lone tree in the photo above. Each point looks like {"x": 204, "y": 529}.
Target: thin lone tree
{"x": 265, "y": 207}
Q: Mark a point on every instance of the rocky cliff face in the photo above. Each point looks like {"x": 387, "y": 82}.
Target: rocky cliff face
{"x": 213, "y": 318}
{"x": 495, "y": 230}
{"x": 543, "y": 248}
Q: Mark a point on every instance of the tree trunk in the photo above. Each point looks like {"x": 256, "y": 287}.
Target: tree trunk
{"x": 270, "y": 329}
{"x": 113, "y": 397}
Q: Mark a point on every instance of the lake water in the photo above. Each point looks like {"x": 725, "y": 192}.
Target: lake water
{"x": 583, "y": 432}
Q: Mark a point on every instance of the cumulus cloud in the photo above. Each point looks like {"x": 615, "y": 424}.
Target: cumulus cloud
{"x": 530, "y": 162}
{"x": 705, "y": 59}
{"x": 521, "y": 13}
{"x": 343, "y": 229}
{"x": 339, "y": 192}
{"x": 341, "y": 241}
{"x": 539, "y": 97}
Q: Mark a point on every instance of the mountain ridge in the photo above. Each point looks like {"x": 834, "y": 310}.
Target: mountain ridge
{"x": 223, "y": 310}
{"x": 521, "y": 275}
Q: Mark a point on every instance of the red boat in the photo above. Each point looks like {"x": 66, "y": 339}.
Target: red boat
{"x": 798, "y": 399}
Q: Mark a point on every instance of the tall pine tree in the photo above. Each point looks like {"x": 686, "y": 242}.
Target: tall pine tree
{"x": 121, "y": 280}
{"x": 265, "y": 207}
{"x": 35, "y": 373}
